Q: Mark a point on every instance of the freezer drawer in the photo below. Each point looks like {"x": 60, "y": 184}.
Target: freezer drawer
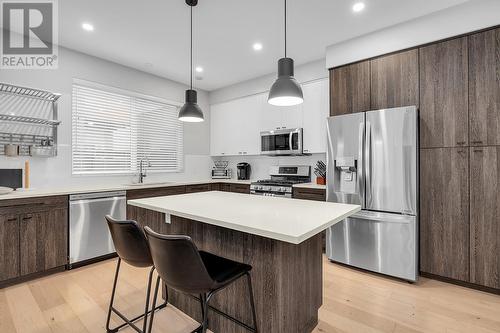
{"x": 380, "y": 242}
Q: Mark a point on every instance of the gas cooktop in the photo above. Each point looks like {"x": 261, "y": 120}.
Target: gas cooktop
{"x": 281, "y": 181}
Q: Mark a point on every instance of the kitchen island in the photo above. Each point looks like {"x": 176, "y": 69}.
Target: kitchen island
{"x": 279, "y": 237}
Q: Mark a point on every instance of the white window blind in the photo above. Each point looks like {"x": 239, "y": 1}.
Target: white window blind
{"x": 114, "y": 129}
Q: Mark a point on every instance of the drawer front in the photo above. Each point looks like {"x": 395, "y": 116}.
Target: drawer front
{"x": 240, "y": 188}
{"x": 225, "y": 187}
{"x": 197, "y": 188}
{"x": 155, "y": 192}
{"x": 215, "y": 187}
{"x": 309, "y": 194}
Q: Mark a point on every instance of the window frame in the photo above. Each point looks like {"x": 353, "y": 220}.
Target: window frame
{"x": 127, "y": 93}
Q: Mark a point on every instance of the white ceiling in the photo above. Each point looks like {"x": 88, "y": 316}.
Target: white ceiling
{"x": 153, "y": 35}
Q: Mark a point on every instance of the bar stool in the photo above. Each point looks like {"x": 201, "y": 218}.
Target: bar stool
{"x": 132, "y": 247}
{"x": 182, "y": 267}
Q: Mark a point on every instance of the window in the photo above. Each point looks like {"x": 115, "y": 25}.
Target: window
{"x": 114, "y": 129}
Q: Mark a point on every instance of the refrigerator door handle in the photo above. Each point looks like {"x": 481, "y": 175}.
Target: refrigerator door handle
{"x": 360, "y": 166}
{"x": 383, "y": 217}
{"x": 368, "y": 164}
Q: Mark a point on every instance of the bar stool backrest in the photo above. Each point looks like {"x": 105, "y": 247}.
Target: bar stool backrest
{"x": 130, "y": 242}
{"x": 179, "y": 263}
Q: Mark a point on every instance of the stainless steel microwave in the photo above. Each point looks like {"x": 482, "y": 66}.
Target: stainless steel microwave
{"x": 281, "y": 142}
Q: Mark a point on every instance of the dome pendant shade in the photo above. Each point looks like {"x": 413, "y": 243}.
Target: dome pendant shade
{"x": 190, "y": 111}
{"x": 285, "y": 91}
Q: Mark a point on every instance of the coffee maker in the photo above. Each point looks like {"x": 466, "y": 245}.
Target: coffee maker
{"x": 243, "y": 171}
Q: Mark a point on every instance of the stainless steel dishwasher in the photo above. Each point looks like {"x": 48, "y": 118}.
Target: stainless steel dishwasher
{"x": 89, "y": 237}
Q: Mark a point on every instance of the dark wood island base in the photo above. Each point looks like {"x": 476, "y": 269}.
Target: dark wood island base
{"x": 287, "y": 279}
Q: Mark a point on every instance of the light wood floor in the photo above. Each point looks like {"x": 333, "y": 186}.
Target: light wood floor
{"x": 354, "y": 301}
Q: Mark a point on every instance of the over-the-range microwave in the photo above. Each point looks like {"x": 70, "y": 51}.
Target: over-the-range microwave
{"x": 281, "y": 142}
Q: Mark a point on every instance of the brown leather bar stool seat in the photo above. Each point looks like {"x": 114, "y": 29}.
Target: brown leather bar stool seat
{"x": 132, "y": 247}
{"x": 186, "y": 269}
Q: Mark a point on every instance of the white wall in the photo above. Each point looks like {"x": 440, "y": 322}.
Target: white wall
{"x": 304, "y": 73}
{"x": 467, "y": 17}
{"x": 56, "y": 171}
{"x": 260, "y": 164}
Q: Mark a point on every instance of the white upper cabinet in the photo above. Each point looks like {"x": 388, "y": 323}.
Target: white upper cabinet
{"x": 280, "y": 117}
{"x": 235, "y": 127}
{"x": 315, "y": 110}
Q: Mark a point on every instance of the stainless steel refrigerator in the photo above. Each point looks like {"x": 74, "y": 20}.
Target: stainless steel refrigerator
{"x": 372, "y": 161}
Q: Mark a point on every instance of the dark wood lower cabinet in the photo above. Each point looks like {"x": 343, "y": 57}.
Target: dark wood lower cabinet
{"x": 9, "y": 246}
{"x": 315, "y": 194}
{"x": 309, "y": 193}
{"x": 240, "y": 188}
{"x": 485, "y": 216}
{"x": 444, "y": 212}
{"x": 197, "y": 188}
{"x": 33, "y": 236}
{"x": 43, "y": 240}
{"x": 225, "y": 187}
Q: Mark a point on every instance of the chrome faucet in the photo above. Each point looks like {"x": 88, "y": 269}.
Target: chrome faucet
{"x": 142, "y": 169}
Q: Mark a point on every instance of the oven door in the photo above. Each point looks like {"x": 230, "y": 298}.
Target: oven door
{"x": 282, "y": 142}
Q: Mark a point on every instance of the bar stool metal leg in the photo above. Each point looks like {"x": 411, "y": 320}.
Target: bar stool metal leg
{"x": 155, "y": 296}
{"x": 127, "y": 321}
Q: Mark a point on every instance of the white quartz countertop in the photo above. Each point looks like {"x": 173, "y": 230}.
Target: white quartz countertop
{"x": 43, "y": 192}
{"x": 289, "y": 220}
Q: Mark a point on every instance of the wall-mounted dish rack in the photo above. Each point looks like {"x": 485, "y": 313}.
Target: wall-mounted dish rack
{"x": 28, "y": 120}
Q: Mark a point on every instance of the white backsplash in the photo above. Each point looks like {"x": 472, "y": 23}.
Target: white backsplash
{"x": 260, "y": 164}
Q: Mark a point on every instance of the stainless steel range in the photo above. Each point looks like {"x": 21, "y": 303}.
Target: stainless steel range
{"x": 283, "y": 177}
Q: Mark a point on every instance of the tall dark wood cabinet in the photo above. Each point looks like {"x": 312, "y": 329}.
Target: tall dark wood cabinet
{"x": 444, "y": 212}
{"x": 484, "y": 88}
{"x": 444, "y": 94}
{"x": 394, "y": 80}
{"x": 350, "y": 88}
{"x": 485, "y": 216}
{"x": 9, "y": 246}
{"x": 456, "y": 85}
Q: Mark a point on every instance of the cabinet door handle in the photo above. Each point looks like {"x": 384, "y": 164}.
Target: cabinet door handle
{"x": 460, "y": 143}
{"x": 13, "y": 219}
{"x": 478, "y": 150}
{"x": 26, "y": 218}
{"x": 476, "y": 142}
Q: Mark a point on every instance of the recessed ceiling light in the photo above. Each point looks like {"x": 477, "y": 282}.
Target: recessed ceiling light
{"x": 358, "y": 6}
{"x": 87, "y": 26}
{"x": 199, "y": 69}
{"x": 257, "y": 46}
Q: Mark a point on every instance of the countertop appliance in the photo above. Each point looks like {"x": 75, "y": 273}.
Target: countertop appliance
{"x": 283, "y": 177}
{"x": 243, "y": 170}
{"x": 372, "y": 161}
{"x": 221, "y": 171}
{"x": 89, "y": 237}
{"x": 281, "y": 142}
{"x": 12, "y": 178}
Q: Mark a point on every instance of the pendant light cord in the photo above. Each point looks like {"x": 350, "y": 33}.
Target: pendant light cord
{"x": 191, "y": 67}
{"x": 285, "y": 28}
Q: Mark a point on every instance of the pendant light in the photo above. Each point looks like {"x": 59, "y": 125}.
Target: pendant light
{"x": 190, "y": 111}
{"x": 285, "y": 91}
